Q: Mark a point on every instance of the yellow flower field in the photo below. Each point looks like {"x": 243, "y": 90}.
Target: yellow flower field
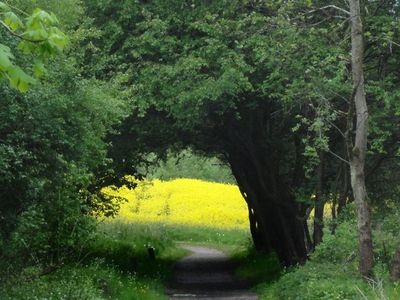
{"x": 184, "y": 201}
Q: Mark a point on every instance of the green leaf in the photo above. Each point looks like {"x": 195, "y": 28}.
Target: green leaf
{"x": 19, "y": 79}
{"x": 36, "y": 35}
{"x": 58, "y": 40}
{"x": 13, "y": 21}
{"x": 39, "y": 69}
{"x": 40, "y": 18}
{"x": 5, "y": 58}
{"x": 4, "y": 7}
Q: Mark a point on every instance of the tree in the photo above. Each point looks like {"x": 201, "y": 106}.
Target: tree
{"x": 53, "y": 154}
{"x": 358, "y": 150}
{"x": 263, "y": 85}
{"x": 224, "y": 77}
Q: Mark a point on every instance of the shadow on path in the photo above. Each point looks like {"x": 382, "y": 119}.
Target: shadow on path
{"x": 207, "y": 274}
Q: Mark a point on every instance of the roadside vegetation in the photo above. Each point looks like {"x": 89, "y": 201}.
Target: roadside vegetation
{"x": 269, "y": 129}
{"x": 332, "y": 269}
{"x": 114, "y": 262}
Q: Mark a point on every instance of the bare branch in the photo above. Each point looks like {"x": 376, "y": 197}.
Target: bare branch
{"x": 17, "y": 9}
{"x": 330, "y": 7}
{"x": 339, "y": 157}
{"x": 337, "y": 128}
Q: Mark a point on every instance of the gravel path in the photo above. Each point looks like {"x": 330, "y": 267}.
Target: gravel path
{"x": 207, "y": 274}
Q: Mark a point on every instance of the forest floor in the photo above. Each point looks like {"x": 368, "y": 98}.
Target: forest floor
{"x": 207, "y": 273}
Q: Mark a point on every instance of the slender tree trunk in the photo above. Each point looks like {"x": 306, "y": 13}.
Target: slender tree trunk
{"x": 359, "y": 149}
{"x": 319, "y": 204}
{"x": 344, "y": 192}
{"x": 335, "y": 196}
{"x": 310, "y": 245}
{"x": 395, "y": 272}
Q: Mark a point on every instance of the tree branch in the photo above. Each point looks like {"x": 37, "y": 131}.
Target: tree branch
{"x": 339, "y": 157}
{"x": 329, "y": 7}
{"x": 17, "y": 9}
{"x": 13, "y": 33}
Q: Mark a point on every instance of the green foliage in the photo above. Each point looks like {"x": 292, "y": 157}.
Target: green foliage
{"x": 187, "y": 164}
{"x": 36, "y": 35}
{"x": 52, "y": 145}
{"x": 340, "y": 248}
{"x": 386, "y": 238}
{"x": 258, "y": 267}
{"x": 264, "y": 78}
{"x": 94, "y": 281}
{"x": 317, "y": 281}
{"x": 115, "y": 265}
{"x": 74, "y": 284}
{"x": 332, "y": 272}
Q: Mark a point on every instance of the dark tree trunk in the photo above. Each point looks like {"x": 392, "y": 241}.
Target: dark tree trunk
{"x": 395, "y": 272}
{"x": 255, "y": 226}
{"x": 319, "y": 204}
{"x": 335, "y": 197}
{"x": 344, "y": 192}
{"x": 276, "y": 223}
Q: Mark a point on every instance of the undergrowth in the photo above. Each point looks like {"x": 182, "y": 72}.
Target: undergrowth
{"x": 332, "y": 271}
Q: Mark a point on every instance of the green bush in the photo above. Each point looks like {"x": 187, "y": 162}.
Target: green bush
{"x": 117, "y": 253}
{"x": 332, "y": 271}
{"x": 316, "y": 281}
{"x": 338, "y": 248}
{"x": 94, "y": 281}
{"x": 187, "y": 164}
{"x": 386, "y": 234}
{"x": 258, "y": 267}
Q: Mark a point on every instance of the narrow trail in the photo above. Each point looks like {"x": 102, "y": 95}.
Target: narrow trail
{"x": 207, "y": 274}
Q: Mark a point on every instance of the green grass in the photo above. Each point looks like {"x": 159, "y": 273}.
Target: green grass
{"x": 116, "y": 264}
{"x": 92, "y": 281}
{"x": 332, "y": 271}
{"x": 229, "y": 240}
{"x": 257, "y": 267}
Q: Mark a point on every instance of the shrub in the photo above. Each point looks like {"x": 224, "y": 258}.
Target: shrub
{"x": 339, "y": 248}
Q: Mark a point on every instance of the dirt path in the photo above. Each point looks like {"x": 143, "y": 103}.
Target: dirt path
{"x": 207, "y": 274}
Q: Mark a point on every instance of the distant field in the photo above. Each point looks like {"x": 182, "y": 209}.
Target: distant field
{"x": 187, "y": 202}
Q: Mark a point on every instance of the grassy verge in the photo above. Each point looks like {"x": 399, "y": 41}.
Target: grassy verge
{"x": 116, "y": 264}
{"x": 257, "y": 267}
{"x": 96, "y": 280}
{"x": 332, "y": 271}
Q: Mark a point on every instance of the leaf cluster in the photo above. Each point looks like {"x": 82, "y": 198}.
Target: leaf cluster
{"x": 36, "y": 35}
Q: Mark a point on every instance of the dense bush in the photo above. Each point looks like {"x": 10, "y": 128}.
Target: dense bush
{"x": 52, "y": 144}
{"x": 332, "y": 272}
{"x": 94, "y": 281}
{"x": 114, "y": 265}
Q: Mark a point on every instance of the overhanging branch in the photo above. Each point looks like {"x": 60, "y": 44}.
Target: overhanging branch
{"x": 13, "y": 33}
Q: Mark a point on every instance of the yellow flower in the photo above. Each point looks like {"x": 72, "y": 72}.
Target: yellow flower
{"x": 183, "y": 201}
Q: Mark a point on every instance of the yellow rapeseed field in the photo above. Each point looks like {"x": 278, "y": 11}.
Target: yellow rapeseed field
{"x": 183, "y": 201}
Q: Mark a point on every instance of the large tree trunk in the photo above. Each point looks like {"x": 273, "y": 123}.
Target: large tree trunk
{"x": 276, "y": 223}
{"x": 358, "y": 150}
